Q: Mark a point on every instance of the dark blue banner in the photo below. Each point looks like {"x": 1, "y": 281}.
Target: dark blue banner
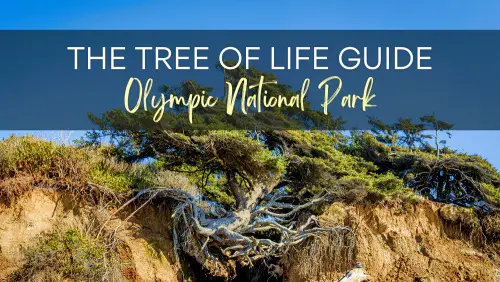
{"x": 54, "y": 79}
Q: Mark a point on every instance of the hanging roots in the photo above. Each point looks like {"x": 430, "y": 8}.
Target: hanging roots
{"x": 217, "y": 238}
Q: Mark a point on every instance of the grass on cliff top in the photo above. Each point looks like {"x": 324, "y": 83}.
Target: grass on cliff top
{"x": 26, "y": 162}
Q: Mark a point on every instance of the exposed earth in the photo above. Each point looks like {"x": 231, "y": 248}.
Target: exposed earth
{"x": 418, "y": 242}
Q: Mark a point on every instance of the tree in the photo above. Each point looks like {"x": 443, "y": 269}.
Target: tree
{"x": 246, "y": 211}
{"x": 385, "y": 133}
{"x": 437, "y": 126}
{"x": 412, "y": 133}
{"x": 261, "y": 219}
{"x": 458, "y": 180}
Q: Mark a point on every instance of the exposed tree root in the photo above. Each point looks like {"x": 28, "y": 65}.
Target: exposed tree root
{"x": 217, "y": 238}
{"x": 453, "y": 181}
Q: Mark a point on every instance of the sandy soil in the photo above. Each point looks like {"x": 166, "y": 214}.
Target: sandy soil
{"x": 412, "y": 245}
{"x": 392, "y": 245}
{"x": 146, "y": 254}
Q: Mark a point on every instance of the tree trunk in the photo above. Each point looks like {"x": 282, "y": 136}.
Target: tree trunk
{"x": 239, "y": 194}
{"x": 436, "y": 139}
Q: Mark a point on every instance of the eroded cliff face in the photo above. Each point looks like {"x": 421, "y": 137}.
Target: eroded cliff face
{"x": 392, "y": 243}
{"x": 145, "y": 250}
{"x": 418, "y": 244}
{"x": 414, "y": 243}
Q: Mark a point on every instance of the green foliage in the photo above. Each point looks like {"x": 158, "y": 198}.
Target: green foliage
{"x": 69, "y": 254}
{"x": 118, "y": 182}
{"x": 314, "y": 161}
{"x": 112, "y": 171}
{"x": 492, "y": 193}
{"x": 30, "y": 155}
{"x": 412, "y": 133}
{"x": 315, "y": 165}
{"x": 237, "y": 163}
{"x": 387, "y": 182}
{"x": 438, "y": 126}
{"x": 246, "y": 157}
{"x": 219, "y": 162}
{"x": 385, "y": 133}
{"x": 222, "y": 163}
{"x": 121, "y": 177}
{"x": 218, "y": 194}
{"x": 28, "y": 161}
{"x": 366, "y": 146}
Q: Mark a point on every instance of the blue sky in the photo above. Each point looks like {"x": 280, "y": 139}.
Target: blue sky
{"x": 244, "y": 14}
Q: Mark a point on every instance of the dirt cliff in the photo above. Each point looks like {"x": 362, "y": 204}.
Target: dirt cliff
{"x": 416, "y": 243}
{"x": 421, "y": 242}
{"x": 145, "y": 250}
